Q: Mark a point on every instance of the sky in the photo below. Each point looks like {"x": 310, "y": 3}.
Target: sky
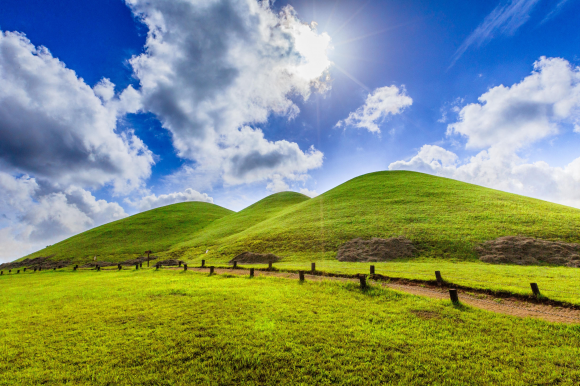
{"x": 111, "y": 107}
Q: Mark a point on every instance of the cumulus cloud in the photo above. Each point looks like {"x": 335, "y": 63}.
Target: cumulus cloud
{"x": 32, "y": 218}
{"x": 54, "y": 126}
{"x": 152, "y": 201}
{"x": 506, "y": 120}
{"x": 525, "y": 112}
{"x": 212, "y": 68}
{"x": 378, "y": 105}
{"x": 505, "y": 19}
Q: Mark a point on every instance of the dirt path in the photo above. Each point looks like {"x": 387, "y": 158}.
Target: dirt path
{"x": 509, "y": 306}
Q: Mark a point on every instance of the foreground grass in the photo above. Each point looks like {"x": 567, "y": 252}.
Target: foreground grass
{"x": 174, "y": 327}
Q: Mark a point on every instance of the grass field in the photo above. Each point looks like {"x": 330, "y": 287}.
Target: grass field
{"x": 175, "y": 328}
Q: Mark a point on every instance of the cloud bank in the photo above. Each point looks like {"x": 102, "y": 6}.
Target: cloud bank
{"x": 208, "y": 85}
{"x": 506, "y": 120}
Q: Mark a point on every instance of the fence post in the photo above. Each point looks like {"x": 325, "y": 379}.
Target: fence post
{"x": 235, "y": 264}
{"x": 39, "y": 269}
{"x": 141, "y": 265}
{"x": 313, "y": 267}
{"x": 98, "y": 267}
{"x": 1, "y": 273}
{"x": 372, "y": 269}
{"x": 24, "y": 270}
{"x": 363, "y": 281}
{"x": 211, "y": 270}
{"x": 251, "y": 272}
{"x": 301, "y": 274}
{"x": 136, "y": 266}
{"x": 18, "y": 271}
{"x": 156, "y": 266}
{"x": 269, "y": 265}
{"x": 203, "y": 263}
{"x": 74, "y": 268}
{"x": 180, "y": 263}
{"x": 535, "y": 289}
{"x": 185, "y": 267}
{"x": 453, "y": 295}
{"x": 438, "y": 277}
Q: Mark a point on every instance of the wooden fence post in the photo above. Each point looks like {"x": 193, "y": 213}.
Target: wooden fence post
{"x": 211, "y": 270}
{"x": 98, "y": 267}
{"x": 270, "y": 265}
{"x": 203, "y": 263}
{"x": 535, "y": 289}
{"x": 438, "y": 277}
{"x": 453, "y": 295}
{"x": 235, "y": 264}
{"x": 136, "y": 266}
{"x": 301, "y": 274}
{"x": 363, "y": 281}
{"x": 251, "y": 272}
{"x": 372, "y": 269}
{"x": 185, "y": 267}
{"x": 313, "y": 267}
{"x": 180, "y": 263}
{"x": 24, "y": 270}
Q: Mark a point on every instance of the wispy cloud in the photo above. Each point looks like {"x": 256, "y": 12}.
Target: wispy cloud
{"x": 505, "y": 19}
{"x": 555, "y": 11}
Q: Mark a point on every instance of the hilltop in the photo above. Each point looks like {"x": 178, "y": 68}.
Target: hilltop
{"x": 444, "y": 218}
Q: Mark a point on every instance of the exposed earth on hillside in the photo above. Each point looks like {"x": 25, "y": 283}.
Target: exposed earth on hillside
{"x": 37, "y": 262}
{"x": 529, "y": 251}
{"x": 255, "y": 258}
{"x": 359, "y": 250}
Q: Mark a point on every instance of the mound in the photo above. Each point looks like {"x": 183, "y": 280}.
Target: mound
{"x": 529, "y": 251}
{"x": 255, "y": 258}
{"x": 359, "y": 250}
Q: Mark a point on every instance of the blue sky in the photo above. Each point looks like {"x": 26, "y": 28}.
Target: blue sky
{"x": 133, "y": 105}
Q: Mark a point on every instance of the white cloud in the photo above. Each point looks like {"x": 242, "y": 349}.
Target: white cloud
{"x": 152, "y": 201}
{"x": 211, "y": 68}
{"x": 54, "y": 126}
{"x": 277, "y": 185}
{"x": 33, "y": 218}
{"x": 525, "y": 112}
{"x": 309, "y": 193}
{"x": 378, "y": 105}
{"x": 505, "y": 19}
{"x": 506, "y": 120}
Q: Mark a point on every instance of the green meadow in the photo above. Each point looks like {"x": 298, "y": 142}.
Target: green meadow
{"x": 172, "y": 327}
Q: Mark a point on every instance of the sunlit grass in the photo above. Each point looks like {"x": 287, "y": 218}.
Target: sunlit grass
{"x": 174, "y": 327}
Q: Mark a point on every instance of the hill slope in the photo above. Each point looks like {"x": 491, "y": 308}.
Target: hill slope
{"x": 156, "y": 230}
{"x": 444, "y": 217}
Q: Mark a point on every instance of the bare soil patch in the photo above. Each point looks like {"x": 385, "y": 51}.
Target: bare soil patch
{"x": 170, "y": 262}
{"x": 359, "y": 250}
{"x": 529, "y": 251}
{"x": 37, "y": 262}
{"x": 255, "y": 258}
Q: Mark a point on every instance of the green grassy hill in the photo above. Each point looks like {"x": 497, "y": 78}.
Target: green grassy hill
{"x": 156, "y": 230}
{"x": 443, "y": 217}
